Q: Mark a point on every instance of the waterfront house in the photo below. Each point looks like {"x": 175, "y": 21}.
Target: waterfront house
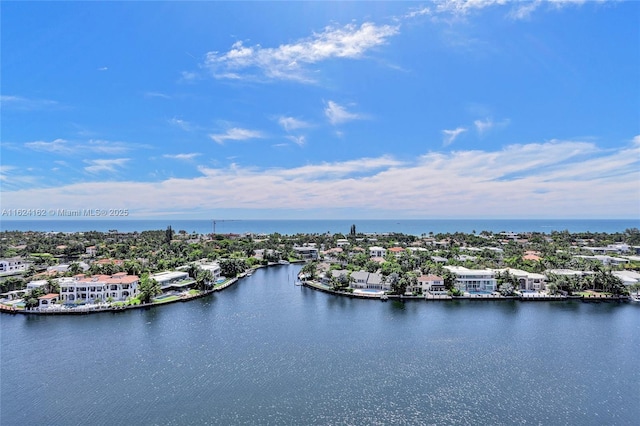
{"x": 527, "y": 280}
{"x": 173, "y": 280}
{"x": 433, "y": 284}
{"x": 98, "y": 288}
{"x": 628, "y": 277}
{"x": 369, "y": 281}
{"x": 473, "y": 279}
{"x": 48, "y": 300}
{"x": 306, "y": 252}
{"x": 214, "y": 268}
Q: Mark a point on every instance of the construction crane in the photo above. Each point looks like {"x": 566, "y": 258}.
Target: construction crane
{"x": 221, "y": 220}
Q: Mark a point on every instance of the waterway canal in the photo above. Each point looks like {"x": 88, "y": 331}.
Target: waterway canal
{"x": 268, "y": 352}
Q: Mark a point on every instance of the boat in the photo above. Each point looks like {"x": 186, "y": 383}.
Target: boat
{"x": 635, "y": 298}
{"x": 384, "y": 297}
{"x": 283, "y": 262}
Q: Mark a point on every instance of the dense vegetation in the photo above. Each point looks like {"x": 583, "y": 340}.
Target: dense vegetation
{"x": 151, "y": 251}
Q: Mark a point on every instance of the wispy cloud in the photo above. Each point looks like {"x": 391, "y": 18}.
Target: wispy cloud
{"x": 338, "y": 114}
{"x": 298, "y": 140}
{"x": 184, "y": 157}
{"x": 180, "y": 123}
{"x": 483, "y": 126}
{"x": 105, "y": 165}
{"x": 26, "y": 104}
{"x": 292, "y": 123}
{"x": 451, "y": 135}
{"x": 236, "y": 134}
{"x": 156, "y": 95}
{"x": 65, "y": 147}
{"x": 519, "y": 9}
{"x": 289, "y": 61}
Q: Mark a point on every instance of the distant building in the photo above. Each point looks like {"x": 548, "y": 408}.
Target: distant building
{"x": 375, "y": 251}
{"x": 306, "y": 252}
{"x": 13, "y": 265}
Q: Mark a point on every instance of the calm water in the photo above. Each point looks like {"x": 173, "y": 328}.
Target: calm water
{"x": 268, "y": 352}
{"x": 290, "y": 227}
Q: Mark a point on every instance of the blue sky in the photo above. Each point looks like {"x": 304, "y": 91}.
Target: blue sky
{"x": 270, "y": 110}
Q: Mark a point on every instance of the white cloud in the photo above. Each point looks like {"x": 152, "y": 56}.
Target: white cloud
{"x": 288, "y": 61}
{"x": 337, "y": 114}
{"x": 105, "y": 165}
{"x": 103, "y": 68}
{"x": 236, "y": 134}
{"x": 184, "y": 125}
{"x": 519, "y": 9}
{"x": 26, "y": 104}
{"x": 550, "y": 179}
{"x": 292, "y": 123}
{"x": 64, "y": 147}
{"x": 483, "y": 125}
{"x": 451, "y": 135}
{"x": 184, "y": 157}
{"x": 157, "y": 95}
{"x": 57, "y": 146}
{"x": 298, "y": 140}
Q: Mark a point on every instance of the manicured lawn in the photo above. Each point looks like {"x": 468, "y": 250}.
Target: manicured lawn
{"x": 193, "y": 291}
{"x": 167, "y": 299}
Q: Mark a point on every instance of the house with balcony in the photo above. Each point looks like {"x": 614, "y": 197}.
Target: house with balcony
{"x": 526, "y": 280}
{"x": 473, "y": 279}
{"x": 432, "y": 284}
{"x": 98, "y": 288}
{"x": 14, "y": 265}
{"x": 364, "y": 280}
{"x": 173, "y": 280}
{"x": 306, "y": 252}
{"x": 375, "y": 251}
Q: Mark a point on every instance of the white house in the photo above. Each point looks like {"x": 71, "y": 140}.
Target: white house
{"x": 98, "y": 288}
{"x": 473, "y": 279}
{"x": 368, "y": 280}
{"x": 91, "y": 251}
{"x": 32, "y": 285}
{"x": 214, "y": 268}
{"x": 527, "y": 280}
{"x": 628, "y": 277}
{"x": 606, "y": 260}
{"x": 375, "y": 251}
{"x": 172, "y": 279}
{"x": 342, "y": 242}
{"x": 13, "y": 265}
{"x": 48, "y": 300}
{"x": 431, "y": 284}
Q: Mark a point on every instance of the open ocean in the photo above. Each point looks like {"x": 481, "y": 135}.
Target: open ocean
{"x": 291, "y": 227}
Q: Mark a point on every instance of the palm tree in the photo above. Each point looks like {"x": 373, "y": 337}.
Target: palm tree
{"x": 148, "y": 288}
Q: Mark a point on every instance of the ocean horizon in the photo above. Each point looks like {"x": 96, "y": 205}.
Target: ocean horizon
{"x": 416, "y": 227}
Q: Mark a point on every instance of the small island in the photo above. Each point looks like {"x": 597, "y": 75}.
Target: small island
{"x": 86, "y": 272}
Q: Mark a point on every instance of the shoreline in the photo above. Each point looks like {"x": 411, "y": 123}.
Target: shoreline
{"x": 432, "y": 298}
{"x": 80, "y": 311}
